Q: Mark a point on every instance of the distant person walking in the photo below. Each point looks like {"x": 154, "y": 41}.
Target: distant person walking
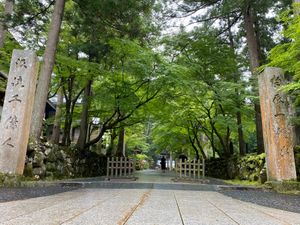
{"x": 163, "y": 164}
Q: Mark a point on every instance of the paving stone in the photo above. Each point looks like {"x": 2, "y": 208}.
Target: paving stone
{"x": 111, "y": 212}
{"x": 196, "y": 210}
{"x": 159, "y": 208}
{"x": 152, "y": 202}
{"x": 63, "y": 208}
{"x": 15, "y": 209}
{"x": 242, "y": 213}
{"x": 284, "y": 216}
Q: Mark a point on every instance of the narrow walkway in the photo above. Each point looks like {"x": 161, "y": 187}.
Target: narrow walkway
{"x": 151, "y": 205}
{"x": 155, "y": 176}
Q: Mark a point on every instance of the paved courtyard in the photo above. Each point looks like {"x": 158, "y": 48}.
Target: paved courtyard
{"x": 152, "y": 200}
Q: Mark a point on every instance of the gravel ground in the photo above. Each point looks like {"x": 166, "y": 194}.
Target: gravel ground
{"x": 12, "y": 194}
{"x": 266, "y": 198}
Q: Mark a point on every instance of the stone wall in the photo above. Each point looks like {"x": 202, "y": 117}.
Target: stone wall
{"x": 250, "y": 167}
{"x": 90, "y": 164}
{"x": 45, "y": 160}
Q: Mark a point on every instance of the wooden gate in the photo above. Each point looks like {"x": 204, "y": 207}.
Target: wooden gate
{"x": 190, "y": 169}
{"x": 120, "y": 167}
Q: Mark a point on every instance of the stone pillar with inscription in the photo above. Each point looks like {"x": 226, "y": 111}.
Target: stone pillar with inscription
{"x": 17, "y": 111}
{"x": 279, "y": 134}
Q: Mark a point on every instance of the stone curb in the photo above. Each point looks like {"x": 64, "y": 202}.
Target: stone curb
{"x": 235, "y": 187}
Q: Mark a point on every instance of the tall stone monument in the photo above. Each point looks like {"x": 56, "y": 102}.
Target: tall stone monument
{"x": 279, "y": 134}
{"x": 17, "y": 111}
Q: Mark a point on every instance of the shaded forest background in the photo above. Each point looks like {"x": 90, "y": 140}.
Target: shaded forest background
{"x": 148, "y": 77}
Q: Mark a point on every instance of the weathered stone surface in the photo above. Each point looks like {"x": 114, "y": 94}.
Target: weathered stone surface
{"x": 38, "y": 159}
{"x": 39, "y": 171}
{"x": 17, "y": 111}
{"x": 47, "y": 160}
{"x": 279, "y": 135}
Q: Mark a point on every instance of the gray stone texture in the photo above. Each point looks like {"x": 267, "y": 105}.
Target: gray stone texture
{"x": 136, "y": 207}
{"x": 279, "y": 135}
{"x": 146, "y": 206}
{"x": 17, "y": 111}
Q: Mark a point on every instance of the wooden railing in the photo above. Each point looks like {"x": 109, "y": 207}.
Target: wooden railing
{"x": 190, "y": 169}
{"x": 120, "y": 167}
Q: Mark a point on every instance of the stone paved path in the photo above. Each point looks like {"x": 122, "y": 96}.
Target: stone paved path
{"x": 149, "y": 205}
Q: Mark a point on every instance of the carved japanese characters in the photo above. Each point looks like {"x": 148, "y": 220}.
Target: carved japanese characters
{"x": 17, "y": 111}
{"x": 279, "y": 135}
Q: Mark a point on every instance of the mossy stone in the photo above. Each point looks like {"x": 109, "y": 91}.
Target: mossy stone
{"x": 28, "y": 170}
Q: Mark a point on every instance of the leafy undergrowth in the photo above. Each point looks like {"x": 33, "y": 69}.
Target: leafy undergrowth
{"x": 243, "y": 182}
{"x": 10, "y": 180}
{"x": 285, "y": 187}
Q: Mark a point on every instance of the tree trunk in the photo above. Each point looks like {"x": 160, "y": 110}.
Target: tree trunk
{"x": 242, "y": 146}
{"x": 67, "y": 128}
{"x": 223, "y": 143}
{"x": 213, "y": 145}
{"x": 238, "y": 114}
{"x": 46, "y": 70}
{"x": 121, "y": 143}
{"x": 84, "y": 117}
{"x": 252, "y": 43}
{"x": 69, "y": 112}
{"x": 192, "y": 141}
{"x": 57, "y": 120}
{"x": 201, "y": 149}
{"x": 8, "y": 10}
{"x": 112, "y": 147}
